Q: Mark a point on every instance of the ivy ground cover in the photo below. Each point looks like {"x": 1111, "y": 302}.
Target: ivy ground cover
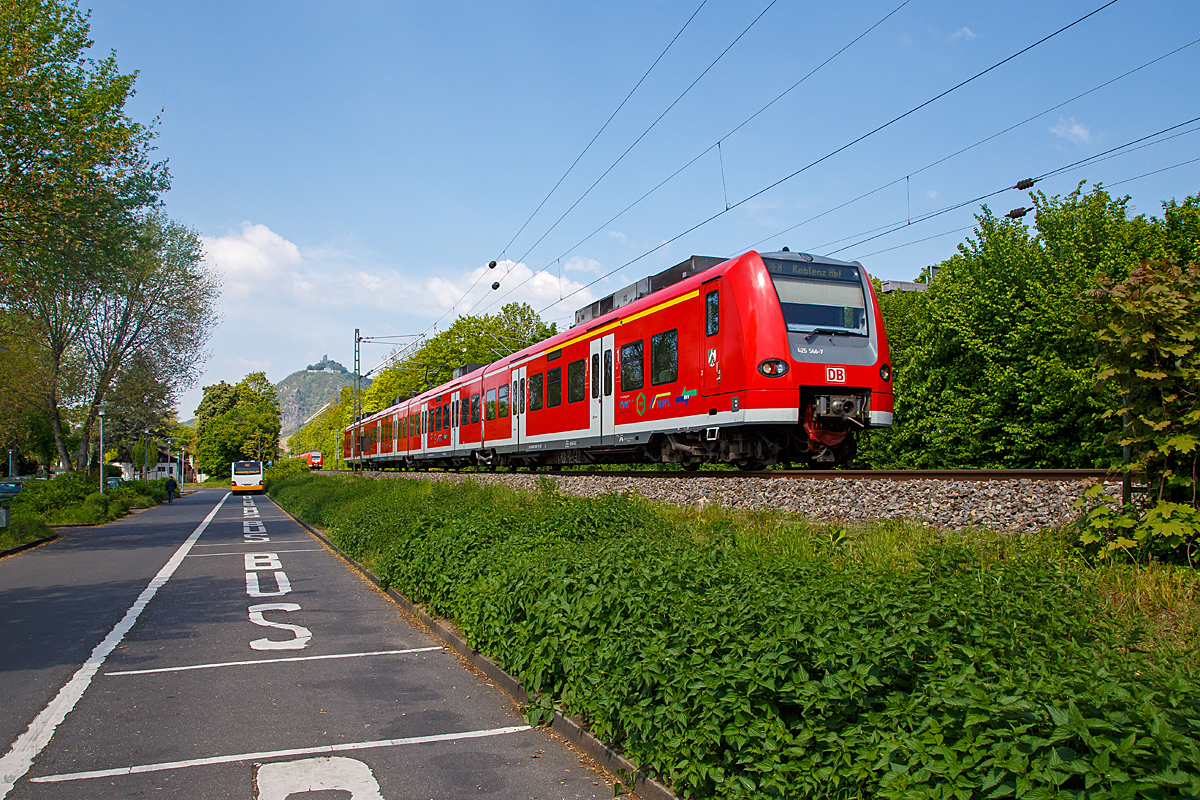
{"x": 736, "y": 657}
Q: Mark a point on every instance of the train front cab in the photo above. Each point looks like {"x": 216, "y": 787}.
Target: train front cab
{"x": 793, "y": 362}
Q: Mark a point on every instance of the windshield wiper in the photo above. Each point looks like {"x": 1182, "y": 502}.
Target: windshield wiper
{"x": 815, "y": 332}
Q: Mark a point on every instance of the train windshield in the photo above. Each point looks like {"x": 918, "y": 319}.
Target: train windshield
{"x": 819, "y": 297}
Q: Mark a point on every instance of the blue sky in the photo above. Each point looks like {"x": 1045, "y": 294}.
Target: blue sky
{"x": 356, "y": 165}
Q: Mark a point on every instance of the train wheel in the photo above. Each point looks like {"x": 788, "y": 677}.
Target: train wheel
{"x": 691, "y": 466}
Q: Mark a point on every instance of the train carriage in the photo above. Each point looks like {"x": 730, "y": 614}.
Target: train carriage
{"x": 760, "y": 359}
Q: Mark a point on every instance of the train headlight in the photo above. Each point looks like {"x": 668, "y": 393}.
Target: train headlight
{"x": 885, "y": 372}
{"x": 773, "y": 367}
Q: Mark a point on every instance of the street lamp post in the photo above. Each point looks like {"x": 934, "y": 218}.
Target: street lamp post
{"x": 100, "y": 411}
{"x": 146, "y": 456}
{"x": 170, "y": 458}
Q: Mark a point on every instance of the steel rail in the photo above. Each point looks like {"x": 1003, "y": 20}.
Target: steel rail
{"x": 814, "y": 474}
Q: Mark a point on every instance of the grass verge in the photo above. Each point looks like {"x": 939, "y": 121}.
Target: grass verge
{"x": 21, "y": 531}
{"x": 741, "y": 655}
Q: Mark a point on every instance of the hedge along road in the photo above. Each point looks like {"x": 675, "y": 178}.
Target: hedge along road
{"x": 215, "y": 648}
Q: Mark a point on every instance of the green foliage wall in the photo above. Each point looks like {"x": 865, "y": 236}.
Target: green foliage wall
{"x": 992, "y": 366}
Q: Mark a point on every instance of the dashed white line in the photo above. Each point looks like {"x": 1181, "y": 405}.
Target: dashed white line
{"x": 255, "y": 661}
{"x": 299, "y": 751}
{"x": 20, "y": 757}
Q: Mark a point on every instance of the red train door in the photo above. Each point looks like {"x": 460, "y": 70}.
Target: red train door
{"x": 711, "y": 350}
{"x": 600, "y": 388}
{"x": 518, "y": 405}
{"x": 454, "y": 430}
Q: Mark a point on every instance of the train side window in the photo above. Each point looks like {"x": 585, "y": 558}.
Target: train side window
{"x": 632, "y": 367}
{"x": 502, "y": 401}
{"x": 608, "y": 373}
{"x": 712, "y": 320}
{"x": 490, "y": 405}
{"x": 521, "y": 395}
{"x": 475, "y": 409}
{"x": 437, "y": 419}
{"x": 664, "y": 357}
{"x": 446, "y": 417}
{"x": 595, "y": 375}
{"x": 535, "y": 392}
{"x": 464, "y": 407}
{"x": 554, "y": 387}
{"x": 576, "y": 381}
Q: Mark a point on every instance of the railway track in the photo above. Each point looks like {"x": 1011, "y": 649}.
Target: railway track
{"x": 827, "y": 474}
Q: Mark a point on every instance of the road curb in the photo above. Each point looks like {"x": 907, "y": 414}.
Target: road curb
{"x": 569, "y": 728}
{"x": 10, "y": 551}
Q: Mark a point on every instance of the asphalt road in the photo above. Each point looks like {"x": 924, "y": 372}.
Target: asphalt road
{"x": 158, "y": 655}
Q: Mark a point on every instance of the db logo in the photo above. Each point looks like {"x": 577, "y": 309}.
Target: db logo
{"x": 835, "y": 374}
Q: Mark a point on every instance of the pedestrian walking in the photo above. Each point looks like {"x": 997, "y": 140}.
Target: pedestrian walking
{"x": 171, "y": 486}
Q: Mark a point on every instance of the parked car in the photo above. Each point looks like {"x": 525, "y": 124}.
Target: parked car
{"x": 9, "y": 490}
{"x": 113, "y": 483}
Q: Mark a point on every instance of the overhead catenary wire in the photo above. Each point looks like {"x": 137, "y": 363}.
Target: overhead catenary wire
{"x": 1155, "y": 172}
{"x": 651, "y": 127}
{"x": 844, "y": 147}
{"x": 1025, "y": 184}
{"x": 582, "y": 153}
{"x": 969, "y": 227}
{"x": 569, "y": 169}
{"x": 983, "y": 141}
{"x": 715, "y": 145}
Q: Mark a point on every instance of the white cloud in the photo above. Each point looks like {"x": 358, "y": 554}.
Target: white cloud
{"x": 930, "y": 194}
{"x": 1073, "y": 130}
{"x": 618, "y": 235}
{"x": 581, "y": 264}
{"x": 254, "y": 260}
{"x": 518, "y": 284}
{"x": 963, "y": 33}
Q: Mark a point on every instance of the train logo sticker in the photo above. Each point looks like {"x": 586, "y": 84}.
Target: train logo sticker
{"x": 641, "y": 404}
{"x": 688, "y": 394}
{"x": 835, "y": 374}
{"x": 712, "y": 357}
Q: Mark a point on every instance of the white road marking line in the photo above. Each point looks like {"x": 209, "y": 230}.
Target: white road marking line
{"x": 235, "y": 544}
{"x": 273, "y": 661}
{"x": 299, "y": 751}
{"x": 19, "y": 758}
{"x": 209, "y": 555}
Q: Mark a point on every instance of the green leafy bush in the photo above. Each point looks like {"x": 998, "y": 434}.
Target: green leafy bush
{"x": 771, "y": 670}
{"x": 1148, "y": 327}
{"x": 40, "y": 499}
{"x": 283, "y": 468}
{"x": 20, "y": 531}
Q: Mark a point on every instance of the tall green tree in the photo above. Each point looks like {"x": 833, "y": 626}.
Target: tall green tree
{"x": 993, "y": 368}
{"x": 75, "y": 173}
{"x": 469, "y": 340}
{"x": 237, "y": 423}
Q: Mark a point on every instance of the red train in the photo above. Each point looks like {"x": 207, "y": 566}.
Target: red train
{"x": 752, "y": 361}
{"x": 313, "y": 458}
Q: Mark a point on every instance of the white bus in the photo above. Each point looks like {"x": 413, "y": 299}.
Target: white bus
{"x": 247, "y": 476}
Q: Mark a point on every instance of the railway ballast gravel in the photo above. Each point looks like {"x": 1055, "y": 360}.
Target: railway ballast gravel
{"x": 1005, "y": 505}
